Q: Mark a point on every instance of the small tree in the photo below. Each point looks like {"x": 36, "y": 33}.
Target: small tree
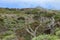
{"x": 46, "y": 22}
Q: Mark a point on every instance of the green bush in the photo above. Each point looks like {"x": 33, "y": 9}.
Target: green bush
{"x": 46, "y": 37}
{"x": 10, "y": 37}
{"x": 58, "y": 33}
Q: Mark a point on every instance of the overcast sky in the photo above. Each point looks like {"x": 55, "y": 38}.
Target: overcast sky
{"x": 50, "y": 4}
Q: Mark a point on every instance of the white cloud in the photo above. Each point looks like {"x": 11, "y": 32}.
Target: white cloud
{"x": 31, "y": 1}
{"x": 46, "y": 3}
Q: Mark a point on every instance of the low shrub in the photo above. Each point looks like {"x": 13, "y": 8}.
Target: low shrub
{"x": 46, "y": 37}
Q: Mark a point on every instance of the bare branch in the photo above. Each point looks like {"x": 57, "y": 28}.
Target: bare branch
{"x": 31, "y": 29}
{"x": 37, "y": 28}
{"x": 29, "y": 32}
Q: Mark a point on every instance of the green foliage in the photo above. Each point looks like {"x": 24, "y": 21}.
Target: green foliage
{"x": 47, "y": 14}
{"x": 57, "y": 17}
{"x": 58, "y": 33}
{"x": 9, "y": 37}
{"x": 46, "y": 37}
{"x": 7, "y": 33}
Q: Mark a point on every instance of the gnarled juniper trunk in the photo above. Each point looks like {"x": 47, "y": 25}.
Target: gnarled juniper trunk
{"x": 50, "y": 26}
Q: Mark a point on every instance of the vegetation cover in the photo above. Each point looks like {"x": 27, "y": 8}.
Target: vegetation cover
{"x": 29, "y": 24}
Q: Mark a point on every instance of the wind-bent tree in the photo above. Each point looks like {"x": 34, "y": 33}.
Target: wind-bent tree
{"x": 43, "y": 21}
{"x": 29, "y": 29}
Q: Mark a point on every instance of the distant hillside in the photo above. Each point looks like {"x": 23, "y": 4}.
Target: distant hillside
{"x": 15, "y": 10}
